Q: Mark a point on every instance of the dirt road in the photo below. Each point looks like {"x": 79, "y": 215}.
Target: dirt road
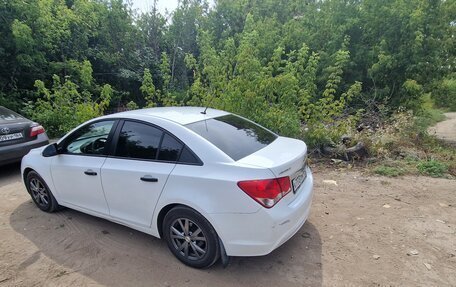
{"x": 446, "y": 130}
{"x": 359, "y": 234}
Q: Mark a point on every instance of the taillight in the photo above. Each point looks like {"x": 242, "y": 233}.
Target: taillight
{"x": 267, "y": 192}
{"x": 36, "y": 130}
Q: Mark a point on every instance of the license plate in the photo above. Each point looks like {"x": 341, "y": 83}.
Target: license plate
{"x": 298, "y": 179}
{"x": 10, "y": 137}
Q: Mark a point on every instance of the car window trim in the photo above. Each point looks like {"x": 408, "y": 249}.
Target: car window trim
{"x": 160, "y": 144}
{"x": 108, "y": 140}
{"x": 115, "y": 140}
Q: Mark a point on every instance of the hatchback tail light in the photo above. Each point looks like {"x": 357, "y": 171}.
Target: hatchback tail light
{"x": 36, "y": 129}
{"x": 267, "y": 192}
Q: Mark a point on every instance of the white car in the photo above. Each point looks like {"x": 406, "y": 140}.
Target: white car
{"x": 211, "y": 183}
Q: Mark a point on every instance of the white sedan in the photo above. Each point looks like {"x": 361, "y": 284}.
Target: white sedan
{"x": 211, "y": 183}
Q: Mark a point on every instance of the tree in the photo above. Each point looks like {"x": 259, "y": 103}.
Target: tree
{"x": 148, "y": 90}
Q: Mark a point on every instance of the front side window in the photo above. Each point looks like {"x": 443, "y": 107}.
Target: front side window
{"x": 139, "y": 141}
{"x": 90, "y": 139}
{"x": 235, "y": 136}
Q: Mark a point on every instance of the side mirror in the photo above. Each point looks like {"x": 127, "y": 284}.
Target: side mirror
{"x": 51, "y": 150}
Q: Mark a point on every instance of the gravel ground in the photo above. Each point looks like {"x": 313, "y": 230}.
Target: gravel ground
{"x": 363, "y": 231}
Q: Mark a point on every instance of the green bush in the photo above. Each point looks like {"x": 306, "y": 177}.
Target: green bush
{"x": 63, "y": 107}
{"x": 433, "y": 168}
{"x": 445, "y": 94}
{"x": 132, "y": 106}
{"x": 280, "y": 91}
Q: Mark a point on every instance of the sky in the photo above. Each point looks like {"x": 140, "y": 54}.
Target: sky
{"x": 163, "y": 5}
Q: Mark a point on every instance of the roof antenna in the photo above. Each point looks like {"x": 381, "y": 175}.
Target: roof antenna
{"x": 204, "y": 112}
{"x": 208, "y": 104}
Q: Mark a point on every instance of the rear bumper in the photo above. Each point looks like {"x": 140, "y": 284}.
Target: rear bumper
{"x": 260, "y": 233}
{"x": 14, "y": 153}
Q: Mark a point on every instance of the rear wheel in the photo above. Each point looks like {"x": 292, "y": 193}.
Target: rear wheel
{"x": 40, "y": 193}
{"x": 190, "y": 237}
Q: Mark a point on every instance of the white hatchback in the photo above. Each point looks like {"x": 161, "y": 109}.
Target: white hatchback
{"x": 211, "y": 183}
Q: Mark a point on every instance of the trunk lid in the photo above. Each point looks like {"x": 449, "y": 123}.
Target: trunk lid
{"x": 284, "y": 157}
{"x": 14, "y": 128}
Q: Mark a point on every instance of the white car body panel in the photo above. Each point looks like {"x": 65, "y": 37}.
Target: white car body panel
{"x": 260, "y": 233}
{"x": 284, "y": 151}
{"x": 74, "y": 186}
{"x": 243, "y": 225}
{"x": 130, "y": 191}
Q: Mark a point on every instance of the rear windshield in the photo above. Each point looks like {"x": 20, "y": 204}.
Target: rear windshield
{"x": 7, "y": 115}
{"x": 233, "y": 135}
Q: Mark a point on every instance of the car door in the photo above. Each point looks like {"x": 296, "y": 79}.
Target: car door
{"x": 76, "y": 170}
{"x": 134, "y": 176}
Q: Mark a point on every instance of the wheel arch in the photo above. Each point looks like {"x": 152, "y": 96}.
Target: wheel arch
{"x": 162, "y": 214}
{"x": 165, "y": 209}
{"x": 27, "y": 170}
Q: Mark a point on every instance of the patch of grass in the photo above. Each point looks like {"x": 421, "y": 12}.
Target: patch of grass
{"x": 432, "y": 168}
{"x": 389, "y": 171}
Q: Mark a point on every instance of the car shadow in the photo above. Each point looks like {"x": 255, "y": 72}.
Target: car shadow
{"x": 10, "y": 173}
{"x": 114, "y": 255}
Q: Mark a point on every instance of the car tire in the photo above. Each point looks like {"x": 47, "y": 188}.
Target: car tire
{"x": 190, "y": 237}
{"x": 40, "y": 192}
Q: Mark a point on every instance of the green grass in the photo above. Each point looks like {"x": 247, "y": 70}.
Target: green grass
{"x": 389, "y": 171}
{"x": 407, "y": 166}
{"x": 432, "y": 168}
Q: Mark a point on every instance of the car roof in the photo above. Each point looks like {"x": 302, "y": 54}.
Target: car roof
{"x": 180, "y": 115}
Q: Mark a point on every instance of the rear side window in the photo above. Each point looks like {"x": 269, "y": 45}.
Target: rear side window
{"x": 169, "y": 149}
{"x": 233, "y": 135}
{"x": 142, "y": 141}
{"x": 188, "y": 157}
{"x": 138, "y": 140}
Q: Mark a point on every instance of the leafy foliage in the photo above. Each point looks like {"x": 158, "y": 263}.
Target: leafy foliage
{"x": 64, "y": 106}
{"x": 148, "y": 90}
{"x": 302, "y": 68}
{"x": 282, "y": 94}
{"x": 445, "y": 94}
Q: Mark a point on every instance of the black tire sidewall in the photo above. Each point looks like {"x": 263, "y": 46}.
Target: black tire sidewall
{"x": 52, "y": 206}
{"x": 213, "y": 246}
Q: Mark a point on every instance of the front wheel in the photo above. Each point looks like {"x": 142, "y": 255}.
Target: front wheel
{"x": 40, "y": 193}
{"x": 190, "y": 237}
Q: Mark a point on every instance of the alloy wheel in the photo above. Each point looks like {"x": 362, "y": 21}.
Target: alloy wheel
{"x": 39, "y": 192}
{"x": 188, "y": 239}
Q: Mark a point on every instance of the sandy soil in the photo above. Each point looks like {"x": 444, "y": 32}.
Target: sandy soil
{"x": 360, "y": 233}
{"x": 446, "y": 130}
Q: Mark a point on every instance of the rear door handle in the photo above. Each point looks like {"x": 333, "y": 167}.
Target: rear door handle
{"x": 90, "y": 172}
{"x": 149, "y": 178}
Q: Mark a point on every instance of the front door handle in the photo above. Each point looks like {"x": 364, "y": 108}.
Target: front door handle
{"x": 90, "y": 172}
{"x": 149, "y": 178}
